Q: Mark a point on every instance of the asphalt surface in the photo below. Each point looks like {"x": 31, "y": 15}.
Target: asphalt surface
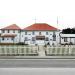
{"x": 37, "y": 63}
{"x": 37, "y": 71}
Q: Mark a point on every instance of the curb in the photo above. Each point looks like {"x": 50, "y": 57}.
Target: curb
{"x": 37, "y": 57}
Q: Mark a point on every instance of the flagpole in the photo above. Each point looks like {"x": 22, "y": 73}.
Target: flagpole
{"x": 57, "y": 21}
{"x": 35, "y": 19}
{"x": 57, "y": 28}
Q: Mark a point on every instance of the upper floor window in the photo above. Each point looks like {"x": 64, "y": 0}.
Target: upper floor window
{"x": 3, "y": 31}
{"x": 13, "y": 31}
{"x": 54, "y": 33}
{"x": 39, "y": 33}
{"x": 33, "y": 33}
{"x": 8, "y": 31}
{"x": 46, "y": 33}
{"x": 18, "y": 31}
{"x": 25, "y": 32}
{"x": 33, "y": 38}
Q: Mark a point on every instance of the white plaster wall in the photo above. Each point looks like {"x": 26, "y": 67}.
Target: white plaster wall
{"x": 43, "y": 33}
{"x": 21, "y": 37}
{"x": 68, "y": 38}
{"x": 67, "y": 35}
{"x": 6, "y": 40}
{"x": 16, "y": 40}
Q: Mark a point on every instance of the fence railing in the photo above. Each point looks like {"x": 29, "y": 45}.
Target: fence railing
{"x": 65, "y": 51}
{"x": 9, "y": 50}
{"x": 33, "y": 51}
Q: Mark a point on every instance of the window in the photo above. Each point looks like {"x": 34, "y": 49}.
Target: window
{"x": 33, "y": 33}
{"x": 33, "y": 38}
{"x": 54, "y": 36}
{"x": 8, "y": 31}
{"x": 25, "y": 32}
{"x": 53, "y": 33}
{"x": 46, "y": 33}
{"x": 39, "y": 33}
{"x": 3, "y": 31}
{"x": 46, "y": 39}
{"x": 13, "y": 31}
{"x": 12, "y": 38}
{"x": 26, "y": 39}
{"x": 3, "y": 38}
{"x": 65, "y": 39}
{"x": 7, "y": 38}
{"x": 18, "y": 31}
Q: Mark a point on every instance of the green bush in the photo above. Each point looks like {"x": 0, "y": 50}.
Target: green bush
{"x": 21, "y": 43}
{"x": 45, "y": 45}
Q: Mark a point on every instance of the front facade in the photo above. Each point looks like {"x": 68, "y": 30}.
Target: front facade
{"x": 10, "y": 34}
{"x": 38, "y": 33}
{"x": 40, "y": 37}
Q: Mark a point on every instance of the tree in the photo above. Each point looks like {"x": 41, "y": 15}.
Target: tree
{"x": 68, "y": 31}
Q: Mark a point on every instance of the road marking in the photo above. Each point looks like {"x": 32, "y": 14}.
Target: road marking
{"x": 37, "y": 59}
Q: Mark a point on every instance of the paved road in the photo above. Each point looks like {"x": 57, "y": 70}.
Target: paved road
{"x": 37, "y": 63}
{"x": 37, "y": 71}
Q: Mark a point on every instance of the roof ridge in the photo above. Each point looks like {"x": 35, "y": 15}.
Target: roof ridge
{"x": 37, "y": 26}
{"x": 12, "y": 26}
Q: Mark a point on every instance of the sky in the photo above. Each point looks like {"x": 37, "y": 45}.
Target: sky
{"x": 24, "y": 12}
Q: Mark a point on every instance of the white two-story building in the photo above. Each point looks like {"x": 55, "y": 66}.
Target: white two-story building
{"x": 40, "y": 33}
{"x": 10, "y": 34}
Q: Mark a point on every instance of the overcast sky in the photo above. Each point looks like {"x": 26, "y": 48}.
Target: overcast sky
{"x": 24, "y": 12}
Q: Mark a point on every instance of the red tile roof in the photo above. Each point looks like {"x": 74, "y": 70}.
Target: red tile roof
{"x": 11, "y": 27}
{"x": 40, "y": 26}
{"x": 8, "y": 35}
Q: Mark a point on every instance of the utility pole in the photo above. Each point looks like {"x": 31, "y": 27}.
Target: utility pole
{"x": 35, "y": 19}
{"x": 57, "y": 30}
{"x": 57, "y": 21}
